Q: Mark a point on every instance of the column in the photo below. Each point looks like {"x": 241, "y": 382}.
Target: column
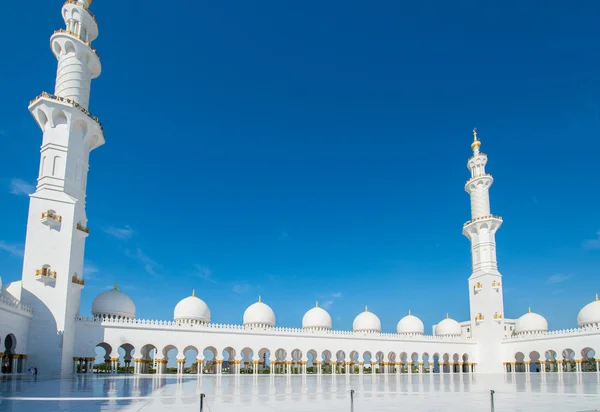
{"x": 543, "y": 366}
{"x": 1, "y": 357}
{"x": 24, "y": 363}
{"x": 373, "y": 363}
{"x": 361, "y": 368}
{"x": 75, "y": 361}
{"x": 410, "y": 365}
{"x": 199, "y": 363}
{"x": 91, "y": 365}
{"x": 420, "y": 367}
{"x": 14, "y": 359}
{"x": 441, "y": 366}
{"x": 560, "y": 366}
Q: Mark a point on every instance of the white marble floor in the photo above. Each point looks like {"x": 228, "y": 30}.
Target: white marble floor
{"x": 569, "y": 392}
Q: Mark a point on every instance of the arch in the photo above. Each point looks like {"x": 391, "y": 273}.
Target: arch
{"x": 210, "y": 357}
{"x": 534, "y": 361}
{"x": 42, "y": 118}
{"x": 465, "y": 361}
{"x": 340, "y": 357}
{"x": 246, "y": 360}
{"x": 103, "y": 351}
{"x": 354, "y": 361}
{"x": 367, "y": 356}
{"x": 57, "y": 49}
{"x": 69, "y": 47}
{"x": 588, "y": 360}
{"x": 228, "y": 360}
{"x": 312, "y": 359}
{"x": 190, "y": 357}
{"x": 326, "y": 358}
{"x": 59, "y": 118}
{"x": 568, "y": 360}
{"x": 551, "y": 358}
{"x": 264, "y": 360}
{"x": 436, "y": 363}
{"x": 296, "y": 361}
{"x": 519, "y": 362}
{"x": 391, "y": 362}
{"x": 446, "y": 366}
{"x": 280, "y": 359}
{"x": 426, "y": 360}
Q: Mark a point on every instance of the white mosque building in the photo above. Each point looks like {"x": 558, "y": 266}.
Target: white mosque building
{"x": 41, "y": 323}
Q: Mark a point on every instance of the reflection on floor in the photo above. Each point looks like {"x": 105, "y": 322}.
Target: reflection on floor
{"x": 568, "y": 392}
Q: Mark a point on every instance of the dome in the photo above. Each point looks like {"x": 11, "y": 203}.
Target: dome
{"x": 316, "y": 318}
{"x": 113, "y": 303}
{"x": 259, "y": 315}
{"x": 448, "y": 327}
{"x": 410, "y": 325}
{"x": 589, "y": 315}
{"x": 192, "y": 310}
{"x": 366, "y": 322}
{"x": 531, "y": 322}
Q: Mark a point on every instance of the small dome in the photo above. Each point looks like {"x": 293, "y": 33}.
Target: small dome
{"x": 589, "y": 315}
{"x": 448, "y": 327}
{"x": 259, "y": 315}
{"x": 113, "y": 303}
{"x": 366, "y": 322}
{"x": 316, "y": 318}
{"x": 410, "y": 325}
{"x": 192, "y": 310}
{"x": 530, "y": 323}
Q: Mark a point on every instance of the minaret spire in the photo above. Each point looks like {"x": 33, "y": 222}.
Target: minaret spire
{"x": 57, "y": 215}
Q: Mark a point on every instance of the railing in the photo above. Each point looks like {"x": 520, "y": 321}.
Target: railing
{"x": 51, "y": 215}
{"x": 83, "y": 228}
{"x": 46, "y": 272}
{"x": 77, "y": 280}
{"x": 477, "y": 177}
{"x": 564, "y": 332}
{"x": 77, "y": 36}
{"x": 478, "y": 154}
{"x": 83, "y": 6}
{"x": 483, "y": 218}
{"x": 7, "y": 301}
{"x": 69, "y": 101}
{"x": 166, "y": 324}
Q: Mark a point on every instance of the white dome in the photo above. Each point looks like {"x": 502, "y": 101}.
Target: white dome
{"x": 410, "y": 325}
{"x": 589, "y": 314}
{"x": 259, "y": 315}
{"x": 113, "y": 303}
{"x": 316, "y": 318}
{"x": 366, "y": 322}
{"x": 192, "y": 310}
{"x": 531, "y": 322}
{"x": 448, "y": 327}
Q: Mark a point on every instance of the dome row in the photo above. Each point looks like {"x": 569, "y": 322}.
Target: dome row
{"x": 114, "y": 303}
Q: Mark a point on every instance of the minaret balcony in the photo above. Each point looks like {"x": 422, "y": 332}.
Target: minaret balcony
{"x": 83, "y": 229}
{"x": 479, "y": 319}
{"x": 78, "y": 37}
{"x": 51, "y": 219}
{"x": 45, "y": 275}
{"x": 77, "y": 280}
{"x": 498, "y": 317}
{"x": 80, "y": 4}
{"x": 496, "y": 285}
{"x": 478, "y": 287}
{"x": 486, "y": 217}
{"x": 69, "y": 102}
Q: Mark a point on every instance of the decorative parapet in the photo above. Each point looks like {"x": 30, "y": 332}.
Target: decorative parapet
{"x": 78, "y": 37}
{"x": 82, "y": 228}
{"x": 483, "y": 218}
{"x": 68, "y": 101}
{"x": 14, "y": 304}
{"x": 77, "y": 280}
{"x": 587, "y": 330}
{"x": 166, "y": 324}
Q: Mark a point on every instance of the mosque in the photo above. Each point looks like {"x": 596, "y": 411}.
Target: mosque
{"x": 41, "y": 324}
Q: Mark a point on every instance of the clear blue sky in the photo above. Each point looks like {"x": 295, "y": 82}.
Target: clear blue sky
{"x": 318, "y": 150}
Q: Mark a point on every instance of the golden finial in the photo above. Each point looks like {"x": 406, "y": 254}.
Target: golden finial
{"x": 317, "y": 304}
{"x": 596, "y": 296}
{"x": 529, "y": 311}
{"x": 193, "y": 292}
{"x": 366, "y": 308}
{"x": 115, "y": 287}
{"x": 409, "y": 312}
{"x": 447, "y": 317}
{"x": 259, "y": 299}
{"x": 476, "y": 141}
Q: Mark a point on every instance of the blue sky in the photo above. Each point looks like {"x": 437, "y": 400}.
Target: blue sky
{"x": 317, "y": 151}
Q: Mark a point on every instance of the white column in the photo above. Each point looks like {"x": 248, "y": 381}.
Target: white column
{"x": 420, "y": 367}
{"x": 199, "y": 363}
{"x": 75, "y": 360}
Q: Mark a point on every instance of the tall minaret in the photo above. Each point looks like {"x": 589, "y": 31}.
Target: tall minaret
{"x": 485, "y": 283}
{"x": 57, "y": 222}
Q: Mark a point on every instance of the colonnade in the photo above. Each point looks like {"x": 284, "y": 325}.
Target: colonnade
{"x": 13, "y": 363}
{"x": 511, "y": 367}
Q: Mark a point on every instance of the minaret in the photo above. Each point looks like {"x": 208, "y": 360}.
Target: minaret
{"x": 485, "y": 283}
{"x": 57, "y": 222}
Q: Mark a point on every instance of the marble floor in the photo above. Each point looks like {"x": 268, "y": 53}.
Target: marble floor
{"x": 570, "y": 392}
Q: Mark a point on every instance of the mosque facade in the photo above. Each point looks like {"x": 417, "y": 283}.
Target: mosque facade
{"x": 41, "y": 324}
